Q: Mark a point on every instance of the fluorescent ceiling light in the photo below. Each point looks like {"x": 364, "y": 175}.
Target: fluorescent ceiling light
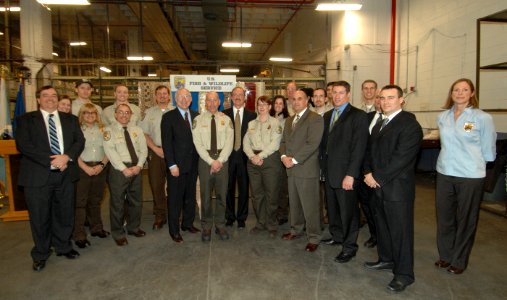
{"x": 12, "y": 8}
{"x": 64, "y": 2}
{"x": 152, "y": 75}
{"x": 55, "y": 54}
{"x": 229, "y": 70}
{"x": 1, "y": 33}
{"x": 105, "y": 69}
{"x": 236, "y": 44}
{"x": 338, "y": 6}
{"x": 139, "y": 58}
{"x": 285, "y": 59}
{"x": 77, "y": 43}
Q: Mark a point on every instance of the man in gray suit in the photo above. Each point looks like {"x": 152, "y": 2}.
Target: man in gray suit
{"x": 299, "y": 151}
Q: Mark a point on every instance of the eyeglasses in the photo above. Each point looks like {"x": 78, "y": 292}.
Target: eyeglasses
{"x": 123, "y": 113}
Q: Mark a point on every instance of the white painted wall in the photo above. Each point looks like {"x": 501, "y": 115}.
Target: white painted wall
{"x": 360, "y": 41}
{"x": 437, "y": 45}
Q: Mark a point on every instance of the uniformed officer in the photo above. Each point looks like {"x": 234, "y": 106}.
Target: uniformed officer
{"x": 125, "y": 146}
{"x": 84, "y": 90}
{"x": 261, "y": 144}
{"x": 213, "y": 136}
{"x": 157, "y": 170}
{"x": 121, "y": 95}
{"x": 92, "y": 177}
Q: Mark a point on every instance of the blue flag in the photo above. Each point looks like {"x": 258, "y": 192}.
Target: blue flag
{"x": 20, "y": 108}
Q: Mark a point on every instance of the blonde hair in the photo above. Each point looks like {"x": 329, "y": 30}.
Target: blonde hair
{"x": 89, "y": 107}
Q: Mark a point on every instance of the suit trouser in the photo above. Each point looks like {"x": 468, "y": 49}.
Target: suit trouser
{"x": 123, "y": 189}
{"x": 395, "y": 235}
{"x": 283, "y": 198}
{"x": 265, "y": 190}
{"x": 89, "y": 194}
{"x": 157, "y": 173}
{"x": 304, "y": 207}
{"x": 343, "y": 213}
{"x": 182, "y": 190}
{"x": 51, "y": 210}
{"x": 365, "y": 195}
{"x": 239, "y": 174}
{"x": 458, "y": 203}
{"x": 210, "y": 182}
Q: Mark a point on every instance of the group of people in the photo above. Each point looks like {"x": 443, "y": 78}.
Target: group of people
{"x": 309, "y": 164}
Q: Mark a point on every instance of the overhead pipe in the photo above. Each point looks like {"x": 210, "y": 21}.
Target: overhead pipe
{"x": 393, "y": 40}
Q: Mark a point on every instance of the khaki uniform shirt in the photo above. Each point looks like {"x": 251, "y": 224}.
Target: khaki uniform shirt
{"x": 151, "y": 123}
{"x": 108, "y": 115}
{"x": 201, "y": 133}
{"x": 76, "y": 106}
{"x": 264, "y": 136}
{"x": 116, "y": 149}
{"x": 94, "y": 148}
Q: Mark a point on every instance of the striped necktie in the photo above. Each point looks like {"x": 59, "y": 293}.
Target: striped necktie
{"x": 53, "y": 136}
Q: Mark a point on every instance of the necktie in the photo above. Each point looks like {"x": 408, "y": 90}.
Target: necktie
{"x": 133, "y": 156}
{"x": 384, "y": 123}
{"x": 213, "y": 142}
{"x": 186, "y": 119}
{"x": 296, "y": 120}
{"x": 237, "y": 131}
{"x": 53, "y": 137}
{"x": 336, "y": 116}
{"x": 379, "y": 120}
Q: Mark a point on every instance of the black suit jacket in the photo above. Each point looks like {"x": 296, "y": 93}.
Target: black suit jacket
{"x": 177, "y": 141}
{"x": 391, "y": 156}
{"x": 247, "y": 117}
{"x": 33, "y": 142}
{"x": 343, "y": 146}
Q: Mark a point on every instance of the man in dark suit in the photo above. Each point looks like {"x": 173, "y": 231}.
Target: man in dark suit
{"x": 299, "y": 151}
{"x": 389, "y": 168}
{"x": 181, "y": 160}
{"x": 50, "y": 142}
{"x": 342, "y": 150}
{"x": 237, "y": 161}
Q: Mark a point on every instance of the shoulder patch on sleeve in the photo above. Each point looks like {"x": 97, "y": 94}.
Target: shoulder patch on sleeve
{"x": 107, "y": 135}
{"x": 194, "y": 123}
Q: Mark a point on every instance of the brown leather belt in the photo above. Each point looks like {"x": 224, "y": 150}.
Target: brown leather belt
{"x": 214, "y": 155}
{"x": 92, "y": 163}
{"x": 257, "y": 151}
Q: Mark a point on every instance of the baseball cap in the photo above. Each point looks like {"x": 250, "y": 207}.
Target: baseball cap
{"x": 81, "y": 81}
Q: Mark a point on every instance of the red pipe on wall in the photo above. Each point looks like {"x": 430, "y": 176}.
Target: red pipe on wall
{"x": 393, "y": 40}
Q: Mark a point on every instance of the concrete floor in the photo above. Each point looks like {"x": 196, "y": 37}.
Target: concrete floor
{"x": 247, "y": 267}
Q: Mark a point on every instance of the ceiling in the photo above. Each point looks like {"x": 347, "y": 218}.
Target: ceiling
{"x": 184, "y": 34}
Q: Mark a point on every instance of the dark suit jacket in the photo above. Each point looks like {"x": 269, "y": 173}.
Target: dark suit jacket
{"x": 345, "y": 145}
{"x": 391, "y": 157}
{"x": 177, "y": 141}
{"x": 247, "y": 117}
{"x": 33, "y": 142}
{"x": 302, "y": 143}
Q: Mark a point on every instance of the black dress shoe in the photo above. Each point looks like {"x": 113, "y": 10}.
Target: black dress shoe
{"x": 229, "y": 223}
{"x": 370, "y": 243}
{"x": 344, "y": 257}
{"x": 455, "y": 270}
{"x": 241, "y": 224}
{"x": 191, "y": 229}
{"x": 138, "y": 233}
{"x": 38, "y": 265}
{"x": 101, "y": 234}
{"x": 158, "y": 224}
{"x": 397, "y": 286}
{"x": 177, "y": 238}
{"x": 442, "y": 264}
{"x": 379, "y": 265}
{"x": 72, "y": 254}
{"x": 330, "y": 242}
{"x": 282, "y": 221}
{"x": 122, "y": 242}
{"x": 82, "y": 243}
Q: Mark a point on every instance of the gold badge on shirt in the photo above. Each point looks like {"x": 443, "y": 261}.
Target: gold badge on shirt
{"x": 279, "y": 129}
{"x": 107, "y": 135}
{"x": 468, "y": 126}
